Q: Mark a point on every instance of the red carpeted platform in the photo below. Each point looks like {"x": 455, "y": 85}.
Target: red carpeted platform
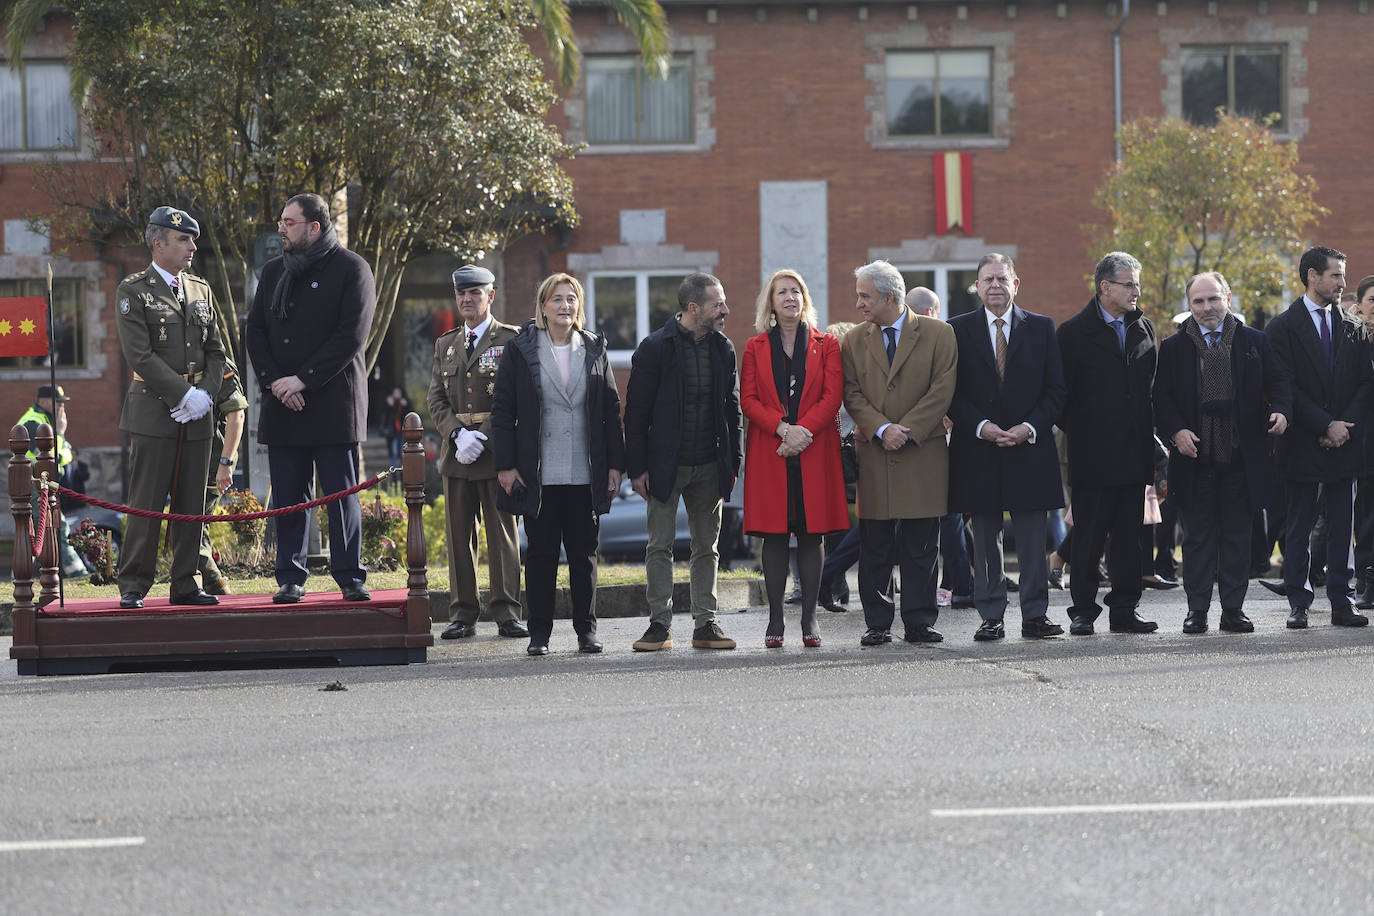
{"x": 391, "y": 603}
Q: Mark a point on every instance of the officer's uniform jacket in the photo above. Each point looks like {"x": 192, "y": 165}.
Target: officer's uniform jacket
{"x": 460, "y": 390}
{"x": 168, "y": 347}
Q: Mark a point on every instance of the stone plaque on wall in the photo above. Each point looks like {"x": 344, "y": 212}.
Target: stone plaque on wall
{"x": 792, "y": 233}
{"x": 643, "y": 227}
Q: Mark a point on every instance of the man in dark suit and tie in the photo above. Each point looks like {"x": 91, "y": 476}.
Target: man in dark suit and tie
{"x": 1109, "y": 351}
{"x": 1220, "y": 392}
{"x": 1328, "y": 360}
{"x": 1008, "y": 396}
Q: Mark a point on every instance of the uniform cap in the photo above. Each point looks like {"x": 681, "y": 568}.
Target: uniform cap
{"x": 470, "y": 275}
{"x": 172, "y": 218}
{"x": 48, "y": 391}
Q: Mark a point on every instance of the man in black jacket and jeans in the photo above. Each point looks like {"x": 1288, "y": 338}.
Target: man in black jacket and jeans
{"x": 682, "y": 438}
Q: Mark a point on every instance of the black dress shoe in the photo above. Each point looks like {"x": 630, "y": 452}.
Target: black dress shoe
{"x": 537, "y": 648}
{"x": 923, "y": 634}
{"x": 875, "y": 637}
{"x": 130, "y": 600}
{"x": 1235, "y": 621}
{"x": 288, "y": 594}
{"x": 1131, "y": 624}
{"x": 197, "y": 598}
{"x": 1013, "y": 585}
{"x": 961, "y": 601}
{"x": 458, "y": 630}
{"x": 989, "y": 631}
{"x": 512, "y": 629}
{"x": 1345, "y": 617}
{"x": 1040, "y": 628}
{"x": 1364, "y": 600}
{"x": 587, "y": 643}
{"x": 1275, "y": 586}
{"x": 1080, "y": 626}
{"x": 1195, "y": 622}
{"x": 356, "y": 592}
{"x": 1297, "y": 619}
{"x": 833, "y": 606}
{"x": 1158, "y": 582}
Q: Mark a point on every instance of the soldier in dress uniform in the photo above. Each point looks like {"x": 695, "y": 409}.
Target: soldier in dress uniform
{"x": 460, "y": 389}
{"x": 230, "y": 405}
{"x": 169, "y": 334}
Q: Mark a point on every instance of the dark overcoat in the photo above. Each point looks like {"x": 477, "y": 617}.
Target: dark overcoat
{"x": 321, "y": 341}
{"x": 1260, "y": 386}
{"x": 984, "y": 477}
{"x": 1108, "y": 414}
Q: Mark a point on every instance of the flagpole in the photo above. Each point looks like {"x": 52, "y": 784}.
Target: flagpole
{"x": 52, "y": 377}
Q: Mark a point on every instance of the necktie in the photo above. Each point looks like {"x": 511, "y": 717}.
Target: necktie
{"x": 1120, "y": 327}
{"x": 1001, "y": 350}
{"x": 176, "y": 291}
{"x": 1326, "y": 336}
{"x": 472, "y": 341}
{"x": 891, "y": 335}
{"x": 1212, "y": 339}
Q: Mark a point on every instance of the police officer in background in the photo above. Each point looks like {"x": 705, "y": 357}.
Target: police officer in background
{"x": 229, "y": 407}
{"x": 169, "y": 335}
{"x": 460, "y": 389}
{"x": 48, "y": 408}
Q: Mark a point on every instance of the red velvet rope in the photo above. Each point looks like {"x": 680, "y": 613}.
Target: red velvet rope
{"x": 37, "y": 539}
{"x": 240, "y": 517}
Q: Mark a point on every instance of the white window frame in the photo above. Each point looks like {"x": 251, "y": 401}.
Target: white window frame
{"x": 24, "y": 149}
{"x": 620, "y": 359}
{"x": 941, "y": 271}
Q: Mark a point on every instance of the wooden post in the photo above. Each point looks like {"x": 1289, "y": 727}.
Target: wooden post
{"x": 44, "y": 443}
{"x": 21, "y": 508}
{"x": 413, "y": 481}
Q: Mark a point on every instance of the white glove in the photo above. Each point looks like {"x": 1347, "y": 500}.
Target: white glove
{"x": 468, "y": 445}
{"x": 195, "y": 403}
{"x": 180, "y": 414}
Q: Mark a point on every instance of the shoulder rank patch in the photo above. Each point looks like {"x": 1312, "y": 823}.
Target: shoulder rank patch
{"x": 124, "y": 306}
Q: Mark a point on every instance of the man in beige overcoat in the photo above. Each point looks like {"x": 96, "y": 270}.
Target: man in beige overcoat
{"x": 899, "y": 370}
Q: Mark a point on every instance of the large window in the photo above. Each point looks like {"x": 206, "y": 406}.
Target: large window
{"x": 1246, "y": 80}
{"x": 627, "y": 307}
{"x": 69, "y": 340}
{"x": 36, "y": 108}
{"x": 627, "y": 105}
{"x": 953, "y": 283}
{"x": 945, "y": 93}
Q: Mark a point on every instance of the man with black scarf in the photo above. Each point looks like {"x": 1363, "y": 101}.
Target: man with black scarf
{"x": 1219, "y": 392}
{"x": 307, "y": 331}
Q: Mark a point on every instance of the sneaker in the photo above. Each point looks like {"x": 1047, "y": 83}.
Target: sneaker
{"x": 655, "y": 638}
{"x": 710, "y": 637}
{"x": 943, "y": 596}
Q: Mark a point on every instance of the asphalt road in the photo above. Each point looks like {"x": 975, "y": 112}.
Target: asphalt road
{"x": 1221, "y": 774}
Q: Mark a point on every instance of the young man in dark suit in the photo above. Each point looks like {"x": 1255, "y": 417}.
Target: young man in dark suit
{"x": 1328, "y": 359}
{"x": 1219, "y": 394}
{"x": 1007, "y": 398}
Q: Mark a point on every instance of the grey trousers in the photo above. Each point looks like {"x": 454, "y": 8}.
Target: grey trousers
{"x": 989, "y": 572}
{"x": 1216, "y": 538}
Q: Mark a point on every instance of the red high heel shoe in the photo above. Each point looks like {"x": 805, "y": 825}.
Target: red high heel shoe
{"x": 812, "y": 642}
{"x": 772, "y": 642}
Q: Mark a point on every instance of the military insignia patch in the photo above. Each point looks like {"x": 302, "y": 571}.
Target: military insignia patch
{"x": 176, "y": 220}
{"x": 491, "y": 386}
{"x": 202, "y": 311}
{"x": 486, "y": 363}
{"x": 449, "y": 354}
{"x": 148, "y": 300}
{"x": 123, "y": 306}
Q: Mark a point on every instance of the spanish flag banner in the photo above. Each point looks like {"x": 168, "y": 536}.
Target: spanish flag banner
{"x": 24, "y": 326}
{"x": 953, "y": 192}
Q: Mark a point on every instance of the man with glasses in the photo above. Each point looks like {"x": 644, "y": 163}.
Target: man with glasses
{"x": 462, "y": 380}
{"x": 1109, "y": 351}
{"x": 306, "y": 334}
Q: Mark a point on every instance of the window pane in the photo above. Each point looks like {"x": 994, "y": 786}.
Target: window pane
{"x": 614, "y": 299}
{"x": 611, "y": 99}
{"x": 11, "y": 109}
{"x": 1259, "y": 83}
{"x": 69, "y": 332}
{"x": 962, "y": 297}
{"x": 662, "y": 301}
{"x": 52, "y": 114}
{"x": 667, "y": 111}
{"x": 911, "y": 93}
{"x": 965, "y": 88}
{"x": 1204, "y": 84}
{"x": 915, "y": 278}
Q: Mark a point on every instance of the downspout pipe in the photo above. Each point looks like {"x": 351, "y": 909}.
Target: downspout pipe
{"x": 1116, "y": 73}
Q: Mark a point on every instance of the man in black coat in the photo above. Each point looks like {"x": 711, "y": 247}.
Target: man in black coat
{"x": 1328, "y": 358}
{"x": 1008, "y": 396}
{"x": 306, "y": 334}
{"x": 682, "y": 441}
{"x": 1109, "y": 351}
{"x": 1219, "y": 394}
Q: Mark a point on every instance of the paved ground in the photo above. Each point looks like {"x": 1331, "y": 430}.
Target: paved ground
{"x": 1228, "y": 774}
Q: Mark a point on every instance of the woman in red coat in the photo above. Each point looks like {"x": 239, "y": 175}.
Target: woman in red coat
{"x": 791, "y": 385}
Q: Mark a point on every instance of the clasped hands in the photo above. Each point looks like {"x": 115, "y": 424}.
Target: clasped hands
{"x": 795, "y": 439}
{"x": 194, "y": 404}
{"x": 1337, "y": 434}
{"x": 1005, "y": 438}
{"x": 290, "y": 390}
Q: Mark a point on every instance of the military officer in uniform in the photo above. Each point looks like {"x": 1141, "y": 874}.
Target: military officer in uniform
{"x": 230, "y": 405}
{"x": 460, "y": 389}
{"x": 169, "y": 334}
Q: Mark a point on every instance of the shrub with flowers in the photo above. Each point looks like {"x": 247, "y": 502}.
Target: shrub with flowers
{"x": 96, "y": 546}
{"x": 237, "y": 543}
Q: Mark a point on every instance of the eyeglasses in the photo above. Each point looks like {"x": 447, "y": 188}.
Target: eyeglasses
{"x": 288, "y": 223}
{"x": 1134, "y": 287}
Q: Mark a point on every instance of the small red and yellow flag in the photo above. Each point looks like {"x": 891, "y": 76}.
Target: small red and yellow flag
{"x": 24, "y": 326}
{"x": 953, "y": 192}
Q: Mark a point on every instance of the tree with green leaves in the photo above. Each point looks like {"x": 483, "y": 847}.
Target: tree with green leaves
{"x": 1185, "y": 199}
